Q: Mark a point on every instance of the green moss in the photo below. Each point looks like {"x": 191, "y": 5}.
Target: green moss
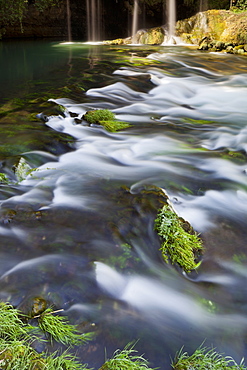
{"x": 178, "y": 245}
{"x": 33, "y": 117}
{"x": 236, "y": 157}
{"x": 198, "y": 121}
{"x": 98, "y": 115}
{"x": 114, "y": 126}
{"x": 105, "y": 118}
{"x": 204, "y": 359}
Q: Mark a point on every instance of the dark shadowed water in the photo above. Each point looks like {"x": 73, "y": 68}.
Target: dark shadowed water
{"x": 79, "y": 230}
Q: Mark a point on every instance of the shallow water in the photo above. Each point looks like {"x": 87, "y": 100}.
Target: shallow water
{"x": 78, "y": 231}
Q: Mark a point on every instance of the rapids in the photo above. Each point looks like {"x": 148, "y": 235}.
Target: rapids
{"x": 78, "y": 231}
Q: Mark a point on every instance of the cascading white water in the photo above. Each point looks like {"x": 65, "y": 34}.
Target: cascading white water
{"x": 135, "y": 19}
{"x": 171, "y": 17}
{"x": 94, "y": 20}
{"x": 78, "y": 231}
{"x": 203, "y": 5}
{"x": 69, "y": 21}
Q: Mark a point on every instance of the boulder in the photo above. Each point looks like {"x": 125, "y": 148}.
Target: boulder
{"x": 223, "y": 27}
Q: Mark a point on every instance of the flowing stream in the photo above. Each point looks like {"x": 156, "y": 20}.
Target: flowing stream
{"x": 78, "y": 231}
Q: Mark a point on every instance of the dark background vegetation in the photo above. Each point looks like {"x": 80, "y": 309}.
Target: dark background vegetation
{"x": 48, "y": 18}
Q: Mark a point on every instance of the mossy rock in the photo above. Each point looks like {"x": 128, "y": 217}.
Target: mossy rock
{"x": 105, "y": 118}
{"x": 98, "y": 115}
{"x": 114, "y": 126}
{"x": 119, "y": 41}
{"x": 223, "y": 26}
{"x": 153, "y": 36}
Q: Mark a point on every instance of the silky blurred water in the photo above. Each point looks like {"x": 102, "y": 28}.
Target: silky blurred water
{"x": 79, "y": 230}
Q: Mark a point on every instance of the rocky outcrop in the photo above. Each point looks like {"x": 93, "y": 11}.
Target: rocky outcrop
{"x": 215, "y": 30}
{"x": 152, "y": 36}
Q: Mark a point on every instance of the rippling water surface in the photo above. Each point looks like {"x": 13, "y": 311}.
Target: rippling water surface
{"x": 78, "y": 231}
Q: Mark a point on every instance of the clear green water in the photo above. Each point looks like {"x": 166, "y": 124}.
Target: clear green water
{"x": 78, "y": 232}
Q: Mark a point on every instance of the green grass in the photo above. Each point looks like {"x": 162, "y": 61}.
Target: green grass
{"x": 205, "y": 359}
{"x": 17, "y": 353}
{"x": 60, "y": 330}
{"x": 178, "y": 245}
{"x": 17, "y": 336}
{"x": 127, "y": 359}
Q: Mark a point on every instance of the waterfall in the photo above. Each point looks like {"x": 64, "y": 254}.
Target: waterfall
{"x": 69, "y": 21}
{"x": 203, "y": 5}
{"x": 171, "y": 17}
{"x": 94, "y": 20}
{"x": 135, "y": 18}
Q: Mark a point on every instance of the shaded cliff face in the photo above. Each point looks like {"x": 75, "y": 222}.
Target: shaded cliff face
{"x": 50, "y": 23}
{"x": 216, "y": 25}
{"x": 53, "y": 21}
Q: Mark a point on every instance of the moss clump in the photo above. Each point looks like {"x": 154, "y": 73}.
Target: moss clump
{"x": 99, "y": 115}
{"x": 105, "y": 118}
{"x": 204, "y": 359}
{"x": 178, "y": 245}
{"x": 114, "y": 126}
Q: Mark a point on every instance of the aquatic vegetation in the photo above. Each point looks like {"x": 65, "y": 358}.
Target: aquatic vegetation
{"x": 204, "y": 359}
{"x": 105, "y": 118}
{"x": 114, "y": 126}
{"x": 16, "y": 338}
{"x": 59, "y": 329}
{"x": 98, "y": 115}
{"x": 197, "y": 121}
{"x": 3, "y": 179}
{"x": 179, "y": 243}
{"x": 22, "y": 169}
{"x": 127, "y": 359}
